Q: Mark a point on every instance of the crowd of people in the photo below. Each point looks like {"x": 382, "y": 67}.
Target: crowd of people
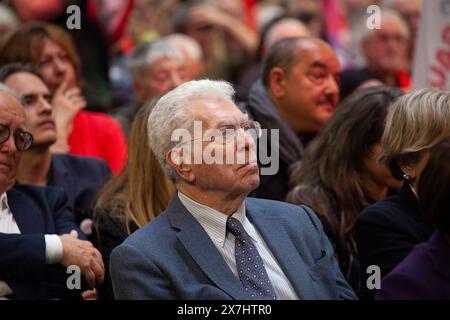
{"x": 92, "y": 174}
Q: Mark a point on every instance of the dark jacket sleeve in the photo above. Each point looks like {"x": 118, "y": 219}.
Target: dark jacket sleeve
{"x": 22, "y": 254}
{"x": 108, "y": 234}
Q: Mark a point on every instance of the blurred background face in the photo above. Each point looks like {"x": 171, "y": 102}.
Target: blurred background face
{"x": 311, "y": 87}
{"x": 11, "y": 115}
{"x": 376, "y": 172}
{"x": 38, "y": 110}
{"x": 233, "y": 179}
{"x": 55, "y": 66}
{"x": 385, "y": 49}
{"x": 160, "y": 77}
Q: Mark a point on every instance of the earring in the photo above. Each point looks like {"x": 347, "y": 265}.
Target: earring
{"x": 406, "y": 177}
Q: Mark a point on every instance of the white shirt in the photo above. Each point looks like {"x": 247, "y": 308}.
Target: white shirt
{"x": 214, "y": 223}
{"x": 53, "y": 245}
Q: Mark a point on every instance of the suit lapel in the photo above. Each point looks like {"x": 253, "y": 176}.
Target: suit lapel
{"x": 284, "y": 251}
{"x": 198, "y": 244}
{"x": 60, "y": 177}
{"x": 28, "y": 219}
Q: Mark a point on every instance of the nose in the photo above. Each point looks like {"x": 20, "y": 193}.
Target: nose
{"x": 175, "y": 80}
{"x": 60, "y": 65}
{"x": 45, "y": 106}
{"x": 332, "y": 86}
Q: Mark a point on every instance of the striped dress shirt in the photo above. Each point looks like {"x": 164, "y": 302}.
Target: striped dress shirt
{"x": 214, "y": 223}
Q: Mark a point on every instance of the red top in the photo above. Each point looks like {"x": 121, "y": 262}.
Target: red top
{"x": 99, "y": 135}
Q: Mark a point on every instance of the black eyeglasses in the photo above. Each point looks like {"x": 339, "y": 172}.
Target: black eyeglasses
{"x": 22, "y": 139}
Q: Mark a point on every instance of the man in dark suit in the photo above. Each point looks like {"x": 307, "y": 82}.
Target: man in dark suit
{"x": 80, "y": 177}
{"x": 213, "y": 242}
{"x": 38, "y": 237}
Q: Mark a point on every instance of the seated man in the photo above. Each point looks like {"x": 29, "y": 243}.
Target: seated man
{"x": 35, "y": 223}
{"x": 80, "y": 177}
{"x": 212, "y": 242}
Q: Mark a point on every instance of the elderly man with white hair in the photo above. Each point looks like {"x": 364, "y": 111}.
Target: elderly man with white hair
{"x": 213, "y": 242}
{"x": 156, "y": 67}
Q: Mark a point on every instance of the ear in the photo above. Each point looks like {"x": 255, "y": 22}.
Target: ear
{"x": 177, "y": 162}
{"x": 277, "y": 81}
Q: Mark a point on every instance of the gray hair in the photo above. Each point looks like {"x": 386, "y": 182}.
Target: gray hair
{"x": 187, "y": 44}
{"x": 7, "y": 90}
{"x": 174, "y": 110}
{"x": 148, "y": 53}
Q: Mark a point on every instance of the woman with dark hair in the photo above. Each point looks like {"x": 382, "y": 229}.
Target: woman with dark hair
{"x": 339, "y": 175}
{"x": 131, "y": 199}
{"x": 425, "y": 272}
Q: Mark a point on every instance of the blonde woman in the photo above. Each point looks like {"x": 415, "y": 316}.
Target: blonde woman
{"x": 131, "y": 199}
{"x": 387, "y": 231}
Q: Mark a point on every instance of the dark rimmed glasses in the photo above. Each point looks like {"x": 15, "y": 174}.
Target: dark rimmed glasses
{"x": 23, "y": 139}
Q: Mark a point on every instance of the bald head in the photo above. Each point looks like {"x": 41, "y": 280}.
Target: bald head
{"x": 286, "y": 53}
{"x": 283, "y": 29}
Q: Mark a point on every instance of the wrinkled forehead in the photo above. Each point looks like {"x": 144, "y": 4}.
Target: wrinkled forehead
{"x": 213, "y": 112}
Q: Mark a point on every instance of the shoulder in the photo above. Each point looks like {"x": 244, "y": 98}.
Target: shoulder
{"x": 97, "y": 119}
{"x": 42, "y": 197}
{"x": 285, "y": 212}
{"x": 80, "y": 163}
{"x": 413, "y": 278}
{"x": 386, "y": 210}
{"x": 154, "y": 235}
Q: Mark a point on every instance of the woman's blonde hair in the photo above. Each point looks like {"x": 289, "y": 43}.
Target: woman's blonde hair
{"x": 416, "y": 122}
{"x": 142, "y": 190}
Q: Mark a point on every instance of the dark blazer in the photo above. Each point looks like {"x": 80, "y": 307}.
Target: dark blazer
{"x": 172, "y": 257}
{"x": 37, "y": 211}
{"x": 387, "y": 231}
{"x": 424, "y": 274}
{"x": 81, "y": 178}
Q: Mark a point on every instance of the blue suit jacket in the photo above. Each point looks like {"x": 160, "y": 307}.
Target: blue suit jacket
{"x": 172, "y": 257}
{"x": 81, "y": 178}
{"x": 37, "y": 211}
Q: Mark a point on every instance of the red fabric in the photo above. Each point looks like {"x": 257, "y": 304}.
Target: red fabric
{"x": 249, "y": 5}
{"x": 404, "y": 81}
{"x": 99, "y": 135}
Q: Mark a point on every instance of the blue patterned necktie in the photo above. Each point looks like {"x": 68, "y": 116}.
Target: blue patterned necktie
{"x": 249, "y": 264}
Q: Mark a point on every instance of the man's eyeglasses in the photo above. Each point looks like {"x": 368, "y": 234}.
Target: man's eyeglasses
{"x": 22, "y": 139}
{"x": 227, "y": 134}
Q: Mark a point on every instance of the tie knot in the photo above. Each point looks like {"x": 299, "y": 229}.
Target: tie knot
{"x": 235, "y": 227}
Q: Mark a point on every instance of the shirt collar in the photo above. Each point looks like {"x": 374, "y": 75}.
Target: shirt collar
{"x": 215, "y": 222}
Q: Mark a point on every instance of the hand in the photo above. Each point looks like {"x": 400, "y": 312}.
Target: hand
{"x": 66, "y": 104}
{"x": 89, "y": 294}
{"x": 85, "y": 256}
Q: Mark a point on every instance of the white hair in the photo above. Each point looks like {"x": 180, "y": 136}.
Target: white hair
{"x": 150, "y": 52}
{"x": 7, "y": 90}
{"x": 186, "y": 44}
{"x": 174, "y": 110}
{"x": 8, "y": 18}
